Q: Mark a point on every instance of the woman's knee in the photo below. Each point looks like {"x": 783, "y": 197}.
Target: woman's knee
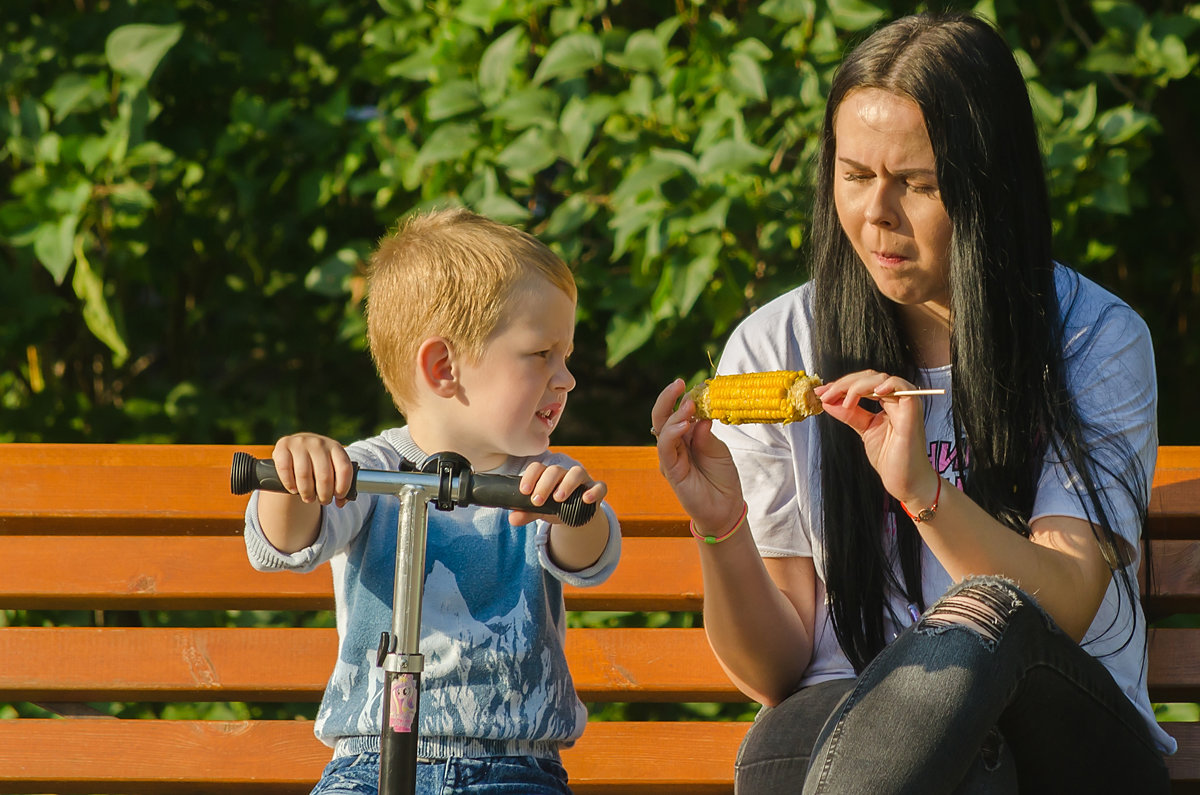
{"x": 984, "y": 605}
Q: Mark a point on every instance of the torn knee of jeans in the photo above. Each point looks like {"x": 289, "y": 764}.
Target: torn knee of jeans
{"x": 983, "y": 605}
{"x": 991, "y": 749}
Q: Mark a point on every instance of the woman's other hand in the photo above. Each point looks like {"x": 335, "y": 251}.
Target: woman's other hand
{"x": 695, "y": 462}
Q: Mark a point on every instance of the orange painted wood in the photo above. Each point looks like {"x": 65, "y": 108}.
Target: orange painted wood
{"x": 211, "y": 572}
{"x": 146, "y": 488}
{"x": 689, "y": 758}
{"x": 1176, "y": 582}
{"x": 101, "y": 527}
{"x": 1174, "y": 666}
{"x": 82, "y": 756}
{"x": 137, "y": 488}
{"x": 253, "y": 664}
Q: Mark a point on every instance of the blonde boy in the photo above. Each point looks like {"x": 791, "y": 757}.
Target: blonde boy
{"x": 470, "y": 323}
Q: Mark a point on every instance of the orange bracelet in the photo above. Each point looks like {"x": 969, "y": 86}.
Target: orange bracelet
{"x": 925, "y": 514}
{"x": 718, "y": 539}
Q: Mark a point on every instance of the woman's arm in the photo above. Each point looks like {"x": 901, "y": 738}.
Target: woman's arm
{"x": 1061, "y": 564}
{"x": 758, "y": 615}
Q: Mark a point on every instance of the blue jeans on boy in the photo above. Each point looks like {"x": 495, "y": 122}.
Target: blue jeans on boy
{"x": 500, "y": 775}
{"x": 984, "y": 694}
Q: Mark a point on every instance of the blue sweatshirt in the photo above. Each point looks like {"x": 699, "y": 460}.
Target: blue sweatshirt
{"x": 493, "y": 622}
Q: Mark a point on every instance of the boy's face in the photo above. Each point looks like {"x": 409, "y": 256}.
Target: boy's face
{"x": 513, "y": 397}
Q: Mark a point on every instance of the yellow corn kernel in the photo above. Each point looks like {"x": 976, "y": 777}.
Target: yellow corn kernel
{"x": 781, "y": 396}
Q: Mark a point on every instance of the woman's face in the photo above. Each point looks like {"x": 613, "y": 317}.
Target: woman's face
{"x": 886, "y": 192}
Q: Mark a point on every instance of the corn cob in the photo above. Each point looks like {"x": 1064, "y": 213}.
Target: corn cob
{"x": 781, "y": 396}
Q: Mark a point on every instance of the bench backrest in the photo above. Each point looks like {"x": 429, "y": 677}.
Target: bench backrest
{"x": 149, "y": 535}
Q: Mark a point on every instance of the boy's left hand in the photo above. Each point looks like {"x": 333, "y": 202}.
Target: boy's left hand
{"x": 541, "y": 483}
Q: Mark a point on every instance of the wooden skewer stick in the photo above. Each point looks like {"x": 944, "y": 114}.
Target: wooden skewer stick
{"x": 907, "y": 393}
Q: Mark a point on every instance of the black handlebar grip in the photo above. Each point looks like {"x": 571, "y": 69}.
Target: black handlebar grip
{"x": 248, "y": 474}
{"x": 500, "y": 491}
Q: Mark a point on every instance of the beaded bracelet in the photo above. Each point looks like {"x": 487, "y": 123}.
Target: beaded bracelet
{"x": 718, "y": 539}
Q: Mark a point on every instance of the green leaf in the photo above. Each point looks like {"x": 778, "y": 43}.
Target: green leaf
{"x": 497, "y": 63}
{"x": 730, "y": 156}
{"x": 75, "y": 92}
{"x": 448, "y": 142}
{"x": 1118, "y": 125}
{"x": 401, "y": 8}
{"x": 854, "y": 14}
{"x": 1085, "y": 107}
{"x": 644, "y": 52}
{"x": 1123, "y": 16}
{"x": 569, "y": 56}
{"x": 528, "y": 107}
{"x": 53, "y": 245}
{"x": 789, "y": 12}
{"x": 698, "y": 273}
{"x": 134, "y": 51}
{"x": 451, "y": 99}
{"x": 89, "y": 288}
{"x": 626, "y": 334}
{"x": 483, "y": 14}
{"x": 577, "y": 130}
{"x": 569, "y": 216}
{"x": 532, "y": 151}
{"x": 746, "y": 77}
{"x": 502, "y": 208}
{"x": 331, "y": 276}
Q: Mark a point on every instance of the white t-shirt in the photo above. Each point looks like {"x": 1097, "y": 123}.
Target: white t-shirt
{"x": 1110, "y": 371}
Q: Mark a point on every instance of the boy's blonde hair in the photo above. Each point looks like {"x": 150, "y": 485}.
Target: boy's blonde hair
{"x": 447, "y": 273}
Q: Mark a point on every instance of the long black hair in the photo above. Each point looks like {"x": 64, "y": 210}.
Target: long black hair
{"x": 1011, "y": 405}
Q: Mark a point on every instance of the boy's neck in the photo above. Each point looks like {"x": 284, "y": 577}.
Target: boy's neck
{"x": 434, "y": 436}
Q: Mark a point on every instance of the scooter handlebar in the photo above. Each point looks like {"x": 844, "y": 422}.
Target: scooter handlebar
{"x": 248, "y": 474}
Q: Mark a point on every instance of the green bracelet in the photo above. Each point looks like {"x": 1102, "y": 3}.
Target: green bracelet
{"x": 718, "y": 539}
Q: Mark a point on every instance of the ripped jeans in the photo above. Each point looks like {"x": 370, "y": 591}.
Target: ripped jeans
{"x": 984, "y": 694}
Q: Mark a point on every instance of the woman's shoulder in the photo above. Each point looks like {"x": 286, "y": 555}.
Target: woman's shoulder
{"x": 776, "y": 336}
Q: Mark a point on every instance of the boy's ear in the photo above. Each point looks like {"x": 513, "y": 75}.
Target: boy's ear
{"x": 435, "y": 367}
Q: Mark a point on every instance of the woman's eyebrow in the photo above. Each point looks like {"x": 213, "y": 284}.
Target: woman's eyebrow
{"x": 904, "y": 172}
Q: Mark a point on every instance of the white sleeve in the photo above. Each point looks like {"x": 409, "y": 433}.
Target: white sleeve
{"x": 775, "y": 462}
{"x": 1110, "y": 372}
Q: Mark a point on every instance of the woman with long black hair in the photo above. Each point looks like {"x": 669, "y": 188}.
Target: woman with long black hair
{"x": 934, "y": 594}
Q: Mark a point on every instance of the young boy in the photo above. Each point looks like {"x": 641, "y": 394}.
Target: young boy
{"x": 470, "y": 324}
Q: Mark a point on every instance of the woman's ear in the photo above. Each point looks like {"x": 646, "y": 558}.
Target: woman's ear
{"x": 435, "y": 367}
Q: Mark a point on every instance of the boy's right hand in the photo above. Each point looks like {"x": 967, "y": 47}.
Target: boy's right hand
{"x": 314, "y": 468}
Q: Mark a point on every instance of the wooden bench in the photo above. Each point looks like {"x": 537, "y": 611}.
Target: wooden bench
{"x": 103, "y": 530}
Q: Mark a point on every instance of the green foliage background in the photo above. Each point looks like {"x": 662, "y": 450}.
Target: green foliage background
{"x": 187, "y": 189}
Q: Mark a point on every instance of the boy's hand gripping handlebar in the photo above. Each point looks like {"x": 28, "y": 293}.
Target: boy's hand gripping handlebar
{"x": 457, "y": 486}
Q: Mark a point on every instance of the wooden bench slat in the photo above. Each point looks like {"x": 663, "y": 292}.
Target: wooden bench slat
{"x": 130, "y": 572}
{"x": 224, "y": 664}
{"x": 207, "y": 757}
{"x": 149, "y": 489}
{"x": 211, "y": 572}
{"x": 210, "y": 757}
{"x": 144, "y": 488}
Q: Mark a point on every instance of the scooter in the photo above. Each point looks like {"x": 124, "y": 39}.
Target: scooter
{"x": 446, "y": 481}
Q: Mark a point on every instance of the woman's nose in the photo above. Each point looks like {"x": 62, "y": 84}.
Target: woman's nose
{"x": 881, "y": 209}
